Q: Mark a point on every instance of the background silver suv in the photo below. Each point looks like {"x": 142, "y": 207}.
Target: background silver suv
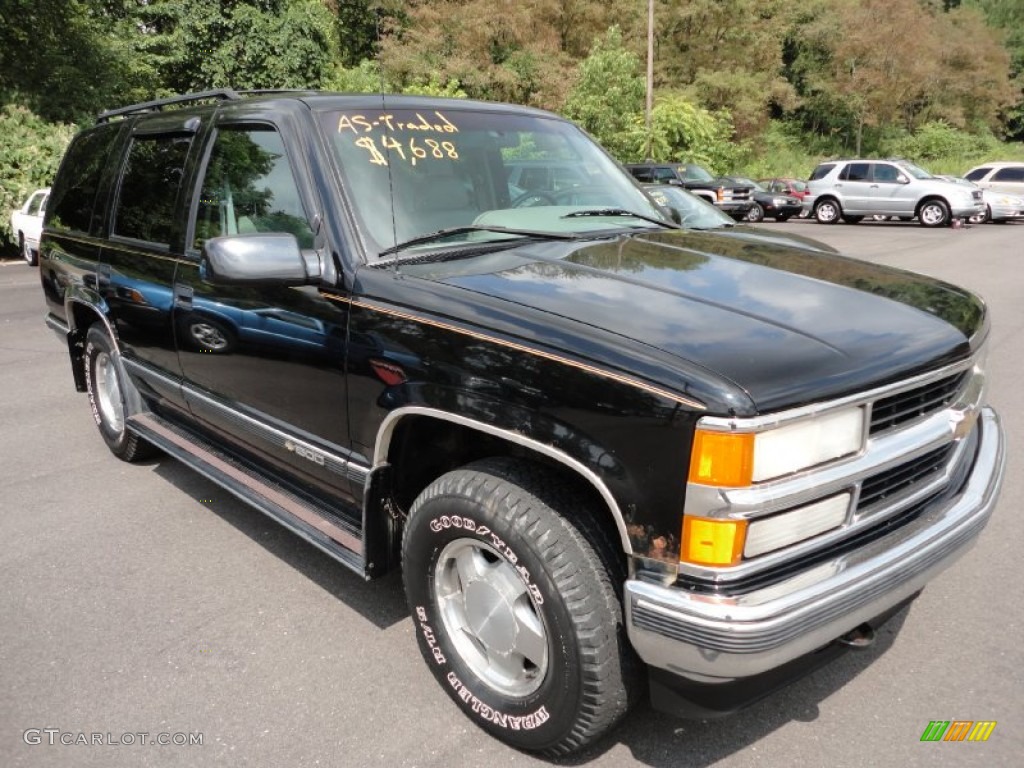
{"x": 852, "y": 189}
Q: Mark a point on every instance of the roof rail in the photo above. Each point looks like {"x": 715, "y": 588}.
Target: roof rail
{"x": 272, "y": 91}
{"x": 223, "y": 94}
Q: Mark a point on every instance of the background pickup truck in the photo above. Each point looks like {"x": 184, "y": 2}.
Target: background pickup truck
{"x": 602, "y": 448}
{"x": 27, "y": 224}
{"x": 734, "y": 197}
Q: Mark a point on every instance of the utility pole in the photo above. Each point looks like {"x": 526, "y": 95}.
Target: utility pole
{"x": 650, "y": 76}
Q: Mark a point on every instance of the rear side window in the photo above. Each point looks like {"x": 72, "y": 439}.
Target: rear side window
{"x": 73, "y": 197}
{"x": 1009, "y": 174}
{"x": 856, "y": 172}
{"x": 822, "y": 171}
{"x": 664, "y": 174}
{"x": 642, "y": 174}
{"x": 977, "y": 173}
{"x": 149, "y": 188}
{"x": 35, "y": 204}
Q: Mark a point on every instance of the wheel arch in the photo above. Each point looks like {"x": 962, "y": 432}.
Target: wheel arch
{"x": 485, "y": 440}
{"x": 82, "y": 314}
{"x": 928, "y": 199}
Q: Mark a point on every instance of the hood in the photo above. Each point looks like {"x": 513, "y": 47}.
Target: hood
{"x": 788, "y": 325}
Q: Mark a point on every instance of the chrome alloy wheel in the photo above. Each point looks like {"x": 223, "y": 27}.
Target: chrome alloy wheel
{"x": 108, "y": 392}
{"x": 491, "y": 617}
{"x": 209, "y": 336}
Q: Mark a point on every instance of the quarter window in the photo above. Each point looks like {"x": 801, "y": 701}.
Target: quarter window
{"x": 249, "y": 187}
{"x": 822, "y": 171}
{"x": 977, "y": 173}
{"x": 79, "y": 179}
{"x": 149, "y": 188}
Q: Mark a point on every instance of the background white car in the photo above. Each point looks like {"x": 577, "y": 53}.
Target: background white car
{"x": 999, "y": 177}
{"x": 27, "y": 224}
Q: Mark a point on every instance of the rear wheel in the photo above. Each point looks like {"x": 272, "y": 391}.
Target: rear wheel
{"x": 827, "y": 211}
{"x": 106, "y": 387}
{"x": 933, "y": 213}
{"x": 513, "y": 588}
{"x": 981, "y": 218}
{"x": 30, "y": 256}
{"x": 783, "y": 217}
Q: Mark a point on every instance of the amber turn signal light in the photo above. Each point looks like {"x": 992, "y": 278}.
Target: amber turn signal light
{"x": 712, "y": 542}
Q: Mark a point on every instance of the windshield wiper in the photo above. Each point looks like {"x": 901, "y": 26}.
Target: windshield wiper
{"x": 621, "y": 212}
{"x": 441, "y": 234}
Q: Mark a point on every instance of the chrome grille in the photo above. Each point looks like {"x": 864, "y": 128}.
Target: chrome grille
{"x": 878, "y": 488}
{"x": 902, "y": 407}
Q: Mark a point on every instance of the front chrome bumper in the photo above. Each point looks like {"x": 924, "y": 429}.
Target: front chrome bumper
{"x": 712, "y": 638}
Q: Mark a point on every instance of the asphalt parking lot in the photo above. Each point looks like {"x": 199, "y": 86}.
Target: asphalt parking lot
{"x": 145, "y": 600}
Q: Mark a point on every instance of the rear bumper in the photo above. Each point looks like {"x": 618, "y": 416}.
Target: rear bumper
{"x": 708, "y": 638}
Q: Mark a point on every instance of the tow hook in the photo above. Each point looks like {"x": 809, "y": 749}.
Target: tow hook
{"x": 858, "y": 638}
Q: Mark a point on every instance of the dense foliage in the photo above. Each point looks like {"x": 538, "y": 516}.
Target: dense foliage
{"x": 765, "y": 85}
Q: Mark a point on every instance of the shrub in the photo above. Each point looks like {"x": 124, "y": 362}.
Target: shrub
{"x": 29, "y": 156}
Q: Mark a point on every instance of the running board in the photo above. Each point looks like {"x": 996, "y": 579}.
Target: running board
{"x": 322, "y": 528}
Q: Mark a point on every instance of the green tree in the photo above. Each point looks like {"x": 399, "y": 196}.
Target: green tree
{"x": 200, "y": 44}
{"x": 726, "y": 56}
{"x": 69, "y": 59}
{"x": 608, "y": 95}
{"x": 522, "y": 52}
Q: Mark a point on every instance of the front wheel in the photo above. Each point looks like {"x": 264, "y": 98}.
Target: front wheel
{"x": 106, "y": 387}
{"x": 827, "y": 212}
{"x": 934, "y": 213}
{"x": 513, "y": 589}
{"x": 756, "y": 213}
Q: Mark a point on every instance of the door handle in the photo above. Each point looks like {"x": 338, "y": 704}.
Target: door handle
{"x": 183, "y": 296}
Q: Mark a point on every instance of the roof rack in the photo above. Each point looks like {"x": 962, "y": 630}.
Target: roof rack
{"x": 223, "y": 94}
{"x": 271, "y": 91}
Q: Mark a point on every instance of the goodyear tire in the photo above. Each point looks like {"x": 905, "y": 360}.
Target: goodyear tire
{"x": 513, "y": 590}
{"x": 105, "y": 384}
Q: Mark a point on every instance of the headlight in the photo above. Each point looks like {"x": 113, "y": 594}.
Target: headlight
{"x": 737, "y": 459}
{"x": 779, "y": 201}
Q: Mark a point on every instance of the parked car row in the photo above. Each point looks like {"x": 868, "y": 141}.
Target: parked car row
{"x": 849, "y": 190}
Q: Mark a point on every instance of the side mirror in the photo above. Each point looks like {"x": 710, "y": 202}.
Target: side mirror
{"x": 262, "y": 258}
{"x": 901, "y": 179}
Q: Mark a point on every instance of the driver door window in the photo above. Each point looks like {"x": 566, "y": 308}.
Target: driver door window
{"x": 249, "y": 188}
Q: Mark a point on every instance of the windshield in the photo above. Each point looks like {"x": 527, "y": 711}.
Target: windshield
{"x": 693, "y": 212}
{"x": 478, "y": 173}
{"x": 696, "y": 173}
{"x": 913, "y": 170}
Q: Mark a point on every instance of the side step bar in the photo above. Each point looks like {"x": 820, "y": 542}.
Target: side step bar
{"x": 337, "y": 537}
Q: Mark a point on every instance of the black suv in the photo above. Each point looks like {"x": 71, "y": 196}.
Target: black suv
{"x": 734, "y": 197}
{"x": 599, "y": 446}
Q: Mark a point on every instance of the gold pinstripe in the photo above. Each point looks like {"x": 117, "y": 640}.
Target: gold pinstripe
{"x": 618, "y": 377}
